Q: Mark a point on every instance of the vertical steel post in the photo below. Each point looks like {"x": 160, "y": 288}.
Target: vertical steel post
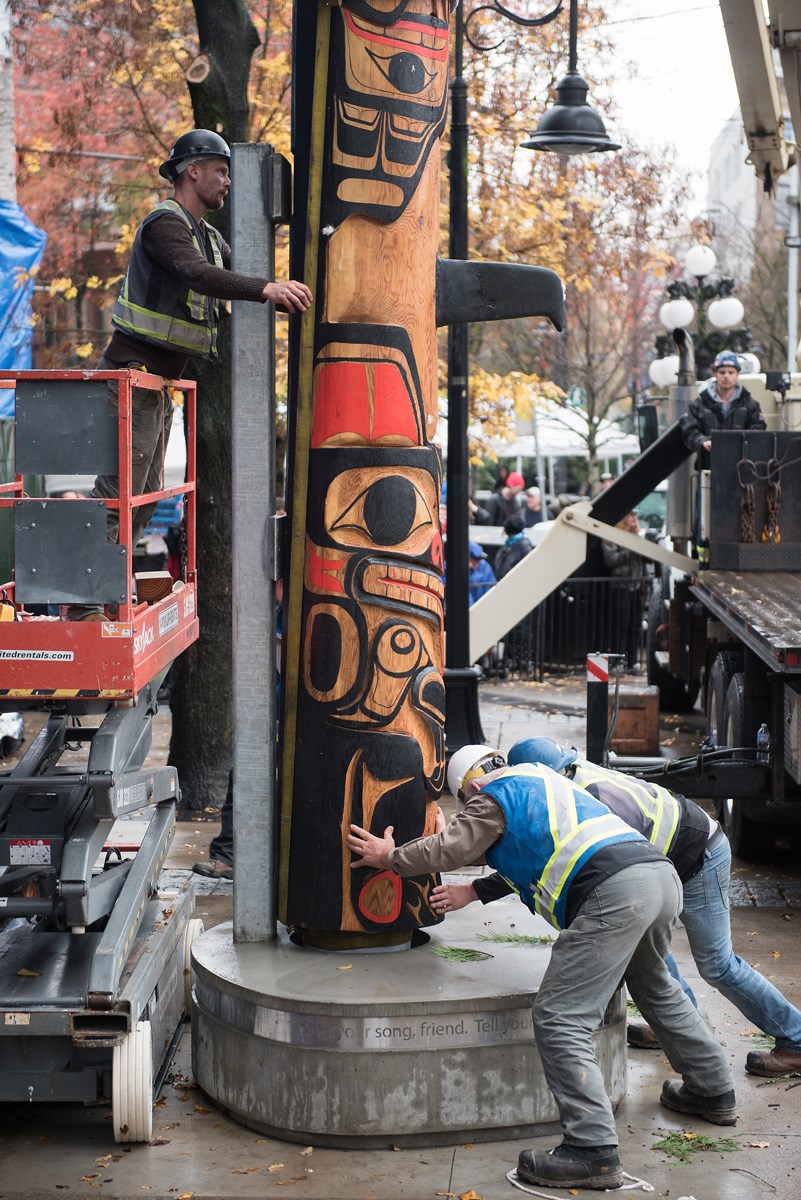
{"x": 792, "y": 272}
{"x": 462, "y": 719}
{"x": 253, "y": 488}
{"x": 597, "y": 706}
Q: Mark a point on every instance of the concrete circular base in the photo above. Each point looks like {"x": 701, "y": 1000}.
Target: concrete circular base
{"x": 412, "y": 1048}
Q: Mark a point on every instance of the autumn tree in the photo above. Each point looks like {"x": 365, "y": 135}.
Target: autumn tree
{"x": 602, "y": 221}
{"x": 108, "y": 88}
{"x": 756, "y": 256}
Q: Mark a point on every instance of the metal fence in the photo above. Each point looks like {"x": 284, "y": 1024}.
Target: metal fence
{"x": 581, "y": 616}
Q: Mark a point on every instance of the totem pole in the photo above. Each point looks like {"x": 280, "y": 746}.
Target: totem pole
{"x": 362, "y": 692}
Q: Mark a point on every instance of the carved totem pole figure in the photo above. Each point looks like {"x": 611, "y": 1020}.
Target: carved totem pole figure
{"x": 362, "y": 691}
{"x": 364, "y": 699}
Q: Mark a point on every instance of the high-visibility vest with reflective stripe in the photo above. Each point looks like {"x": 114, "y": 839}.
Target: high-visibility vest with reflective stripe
{"x": 652, "y": 810}
{"x": 552, "y": 829}
{"x": 157, "y": 306}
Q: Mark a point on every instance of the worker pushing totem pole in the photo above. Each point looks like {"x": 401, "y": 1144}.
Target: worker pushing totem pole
{"x": 362, "y": 691}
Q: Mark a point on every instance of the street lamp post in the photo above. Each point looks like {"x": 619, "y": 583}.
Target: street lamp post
{"x": 570, "y": 127}
{"x": 462, "y": 717}
{"x": 716, "y": 311}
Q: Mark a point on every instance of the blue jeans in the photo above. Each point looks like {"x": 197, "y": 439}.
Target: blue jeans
{"x": 706, "y": 919}
{"x": 622, "y": 930}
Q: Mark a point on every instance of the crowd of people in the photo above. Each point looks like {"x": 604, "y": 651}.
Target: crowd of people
{"x": 517, "y": 509}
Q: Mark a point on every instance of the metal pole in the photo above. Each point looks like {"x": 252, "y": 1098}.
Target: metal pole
{"x": 542, "y": 482}
{"x": 462, "y": 720}
{"x": 597, "y": 706}
{"x": 792, "y": 274}
{"x": 572, "y": 64}
{"x": 253, "y": 460}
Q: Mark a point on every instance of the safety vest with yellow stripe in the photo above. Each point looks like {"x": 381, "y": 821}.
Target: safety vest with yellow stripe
{"x": 552, "y": 829}
{"x": 674, "y": 825}
{"x": 651, "y": 809}
{"x": 156, "y": 306}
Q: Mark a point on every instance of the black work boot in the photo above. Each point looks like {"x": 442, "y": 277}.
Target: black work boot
{"x": 572, "y": 1167}
{"x": 719, "y": 1110}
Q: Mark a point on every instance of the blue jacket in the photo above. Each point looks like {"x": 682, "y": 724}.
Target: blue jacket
{"x": 482, "y": 577}
{"x": 552, "y": 829}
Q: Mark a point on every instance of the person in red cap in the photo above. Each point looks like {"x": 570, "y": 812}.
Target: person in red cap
{"x": 507, "y": 502}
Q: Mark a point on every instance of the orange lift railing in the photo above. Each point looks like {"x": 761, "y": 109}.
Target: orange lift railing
{"x": 62, "y": 559}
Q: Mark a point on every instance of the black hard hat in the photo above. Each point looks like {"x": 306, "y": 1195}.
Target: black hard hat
{"x": 198, "y": 143}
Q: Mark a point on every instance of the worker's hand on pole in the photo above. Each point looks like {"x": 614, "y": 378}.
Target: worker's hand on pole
{"x": 374, "y": 851}
{"x": 292, "y": 295}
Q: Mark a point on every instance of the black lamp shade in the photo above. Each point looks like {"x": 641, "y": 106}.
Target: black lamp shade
{"x": 571, "y": 126}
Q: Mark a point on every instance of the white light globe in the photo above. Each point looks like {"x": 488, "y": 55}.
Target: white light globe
{"x": 749, "y": 364}
{"x": 670, "y": 370}
{"x": 655, "y": 372}
{"x": 700, "y": 260}
{"x": 726, "y": 312}
{"x": 677, "y": 314}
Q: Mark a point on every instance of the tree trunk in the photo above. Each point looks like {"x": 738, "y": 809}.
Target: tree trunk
{"x": 202, "y": 692}
{"x": 8, "y": 154}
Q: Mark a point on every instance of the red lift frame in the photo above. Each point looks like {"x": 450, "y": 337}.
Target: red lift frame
{"x": 43, "y": 657}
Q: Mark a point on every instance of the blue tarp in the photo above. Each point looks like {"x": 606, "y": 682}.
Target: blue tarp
{"x": 21, "y": 248}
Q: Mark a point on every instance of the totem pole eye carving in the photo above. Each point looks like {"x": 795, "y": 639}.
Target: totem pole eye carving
{"x": 389, "y": 104}
{"x": 362, "y": 682}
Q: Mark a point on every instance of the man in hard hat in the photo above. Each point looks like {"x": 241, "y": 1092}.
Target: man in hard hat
{"x": 168, "y": 308}
{"x": 700, "y": 852}
{"x": 723, "y": 404}
{"x": 615, "y": 900}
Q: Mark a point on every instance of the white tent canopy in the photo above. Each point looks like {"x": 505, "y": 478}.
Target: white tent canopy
{"x": 564, "y": 433}
{"x": 558, "y": 432}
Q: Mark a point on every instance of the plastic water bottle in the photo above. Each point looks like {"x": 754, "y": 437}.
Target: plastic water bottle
{"x": 763, "y": 744}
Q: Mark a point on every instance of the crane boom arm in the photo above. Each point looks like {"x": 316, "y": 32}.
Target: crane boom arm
{"x": 751, "y": 40}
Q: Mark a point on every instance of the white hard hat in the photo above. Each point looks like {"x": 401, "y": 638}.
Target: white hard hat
{"x": 470, "y": 762}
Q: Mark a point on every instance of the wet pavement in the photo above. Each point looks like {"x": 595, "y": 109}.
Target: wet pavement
{"x": 48, "y": 1151}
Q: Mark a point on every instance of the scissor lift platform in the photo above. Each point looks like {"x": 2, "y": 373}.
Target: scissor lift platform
{"x": 94, "y": 944}
{"x": 48, "y": 658}
{"x": 64, "y": 422}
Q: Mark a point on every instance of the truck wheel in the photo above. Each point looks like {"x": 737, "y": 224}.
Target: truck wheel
{"x": 750, "y": 840}
{"x": 725, "y": 665}
{"x": 673, "y": 695}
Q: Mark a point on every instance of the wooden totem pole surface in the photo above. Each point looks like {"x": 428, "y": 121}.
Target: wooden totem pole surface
{"x": 363, "y": 696}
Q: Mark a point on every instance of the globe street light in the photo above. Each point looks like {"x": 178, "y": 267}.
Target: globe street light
{"x": 709, "y": 303}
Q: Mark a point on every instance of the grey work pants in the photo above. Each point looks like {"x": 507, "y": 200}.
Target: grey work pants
{"x": 151, "y": 421}
{"x": 622, "y": 930}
